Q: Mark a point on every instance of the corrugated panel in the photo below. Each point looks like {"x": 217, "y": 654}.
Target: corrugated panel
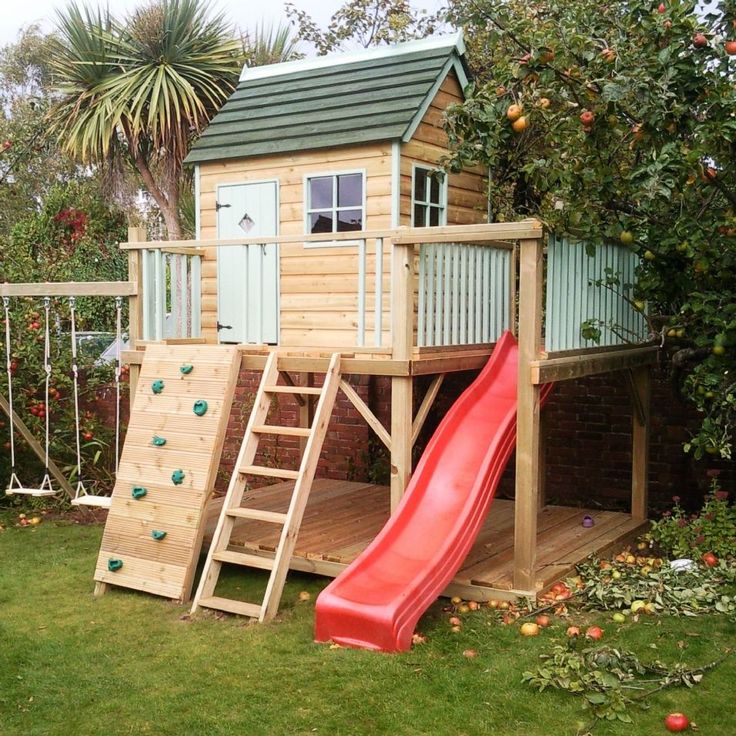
{"x": 573, "y": 296}
{"x": 463, "y": 294}
{"x": 345, "y": 104}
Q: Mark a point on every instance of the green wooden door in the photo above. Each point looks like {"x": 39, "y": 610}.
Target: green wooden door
{"x": 248, "y": 276}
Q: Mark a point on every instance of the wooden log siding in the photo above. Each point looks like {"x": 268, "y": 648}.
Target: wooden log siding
{"x": 574, "y": 297}
{"x": 464, "y": 294}
{"x": 467, "y": 202}
{"x": 171, "y": 294}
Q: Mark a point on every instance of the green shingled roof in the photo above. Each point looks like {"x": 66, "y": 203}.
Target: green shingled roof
{"x": 331, "y": 101}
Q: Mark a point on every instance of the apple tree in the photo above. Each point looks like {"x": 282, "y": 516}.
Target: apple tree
{"x": 616, "y": 122}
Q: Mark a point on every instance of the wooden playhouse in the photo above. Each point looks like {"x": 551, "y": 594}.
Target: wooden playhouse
{"x": 327, "y": 247}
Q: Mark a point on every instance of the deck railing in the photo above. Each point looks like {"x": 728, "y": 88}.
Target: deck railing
{"x": 464, "y": 293}
{"x": 171, "y": 293}
{"x": 418, "y": 287}
{"x": 589, "y": 297}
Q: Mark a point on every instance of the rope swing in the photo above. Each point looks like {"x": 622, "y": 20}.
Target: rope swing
{"x": 14, "y": 484}
{"x": 82, "y": 497}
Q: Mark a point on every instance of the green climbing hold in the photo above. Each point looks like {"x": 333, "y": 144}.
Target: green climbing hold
{"x": 200, "y": 407}
{"x": 157, "y": 535}
{"x": 158, "y": 441}
{"x": 186, "y": 369}
{"x": 138, "y": 492}
{"x": 114, "y": 565}
{"x": 157, "y": 386}
{"x": 177, "y": 477}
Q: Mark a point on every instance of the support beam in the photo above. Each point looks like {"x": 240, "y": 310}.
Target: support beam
{"x": 364, "y": 411}
{"x": 306, "y": 409}
{"x": 402, "y": 335}
{"x": 135, "y": 303}
{"x": 37, "y": 449}
{"x": 427, "y": 403}
{"x": 592, "y": 362}
{"x": 641, "y": 385}
{"x": 528, "y": 447}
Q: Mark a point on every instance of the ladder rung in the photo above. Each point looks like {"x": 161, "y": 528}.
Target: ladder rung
{"x": 275, "y": 517}
{"x": 253, "y": 610}
{"x": 285, "y": 431}
{"x": 244, "y": 559}
{"x": 270, "y": 472}
{"x": 312, "y": 390}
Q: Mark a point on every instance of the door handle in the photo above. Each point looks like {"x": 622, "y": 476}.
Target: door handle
{"x": 223, "y": 327}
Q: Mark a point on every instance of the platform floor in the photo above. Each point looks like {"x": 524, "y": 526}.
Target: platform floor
{"x": 342, "y": 517}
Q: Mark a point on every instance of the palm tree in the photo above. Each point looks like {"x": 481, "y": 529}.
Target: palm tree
{"x": 143, "y": 88}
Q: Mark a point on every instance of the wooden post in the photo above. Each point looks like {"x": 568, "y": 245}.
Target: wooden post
{"x": 528, "y": 446}
{"x": 306, "y": 410}
{"x": 641, "y": 385}
{"x": 135, "y": 303}
{"x": 402, "y": 335}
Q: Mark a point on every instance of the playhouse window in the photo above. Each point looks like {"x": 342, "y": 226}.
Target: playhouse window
{"x": 335, "y": 203}
{"x": 428, "y": 198}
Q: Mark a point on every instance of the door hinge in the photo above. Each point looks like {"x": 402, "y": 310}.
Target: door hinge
{"x": 219, "y": 206}
{"x": 223, "y": 327}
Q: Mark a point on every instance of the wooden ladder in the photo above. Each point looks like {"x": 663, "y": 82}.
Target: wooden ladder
{"x": 289, "y": 521}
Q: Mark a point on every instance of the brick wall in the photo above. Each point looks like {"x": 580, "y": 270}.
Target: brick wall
{"x": 588, "y": 439}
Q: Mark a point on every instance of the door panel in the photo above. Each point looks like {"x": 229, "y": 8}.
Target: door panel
{"x": 248, "y": 298}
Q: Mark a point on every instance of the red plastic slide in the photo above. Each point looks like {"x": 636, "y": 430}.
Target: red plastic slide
{"x": 376, "y": 602}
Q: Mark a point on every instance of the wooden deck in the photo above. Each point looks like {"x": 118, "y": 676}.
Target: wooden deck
{"x": 343, "y": 517}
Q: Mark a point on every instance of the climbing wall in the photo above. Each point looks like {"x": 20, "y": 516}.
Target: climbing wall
{"x": 168, "y": 466}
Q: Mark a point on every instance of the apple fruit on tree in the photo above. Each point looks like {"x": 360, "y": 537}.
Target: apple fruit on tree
{"x": 606, "y": 80}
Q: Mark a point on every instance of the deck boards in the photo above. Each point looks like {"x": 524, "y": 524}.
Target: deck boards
{"x": 342, "y": 517}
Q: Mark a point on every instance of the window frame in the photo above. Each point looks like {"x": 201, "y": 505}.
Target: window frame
{"x": 334, "y": 210}
{"x": 442, "y": 206}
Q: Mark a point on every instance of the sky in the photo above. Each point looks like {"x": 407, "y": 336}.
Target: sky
{"x": 243, "y": 13}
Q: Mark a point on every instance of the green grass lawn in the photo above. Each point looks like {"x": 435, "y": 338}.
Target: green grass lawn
{"x": 129, "y": 663}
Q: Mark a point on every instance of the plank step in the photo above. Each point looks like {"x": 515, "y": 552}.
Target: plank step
{"x": 243, "y": 559}
{"x": 103, "y": 502}
{"x": 285, "y": 431}
{"x": 275, "y": 517}
{"x": 311, "y": 390}
{"x": 252, "y": 610}
{"x": 270, "y": 472}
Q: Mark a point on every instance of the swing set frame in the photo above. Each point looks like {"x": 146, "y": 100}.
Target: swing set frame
{"x": 70, "y": 290}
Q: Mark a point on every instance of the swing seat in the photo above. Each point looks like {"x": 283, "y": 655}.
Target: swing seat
{"x": 30, "y": 492}
{"x": 103, "y": 502}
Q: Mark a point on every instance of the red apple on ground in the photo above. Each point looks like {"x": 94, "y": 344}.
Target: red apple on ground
{"x": 662, "y": 8}
{"x": 710, "y": 559}
{"x": 587, "y": 118}
{"x": 573, "y": 631}
{"x": 730, "y": 47}
{"x": 594, "y": 632}
{"x": 542, "y": 620}
{"x": 676, "y": 722}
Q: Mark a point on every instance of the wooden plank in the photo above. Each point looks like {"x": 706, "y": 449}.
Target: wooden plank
{"x": 531, "y": 290}
{"x": 642, "y": 390}
{"x": 166, "y": 567}
{"x": 496, "y": 233}
{"x": 402, "y": 335}
{"x": 71, "y": 288}
{"x": 591, "y": 362}
{"x": 426, "y": 405}
{"x": 37, "y": 449}
{"x": 366, "y": 413}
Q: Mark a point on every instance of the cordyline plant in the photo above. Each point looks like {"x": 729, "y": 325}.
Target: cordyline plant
{"x": 142, "y": 88}
{"x": 614, "y": 122}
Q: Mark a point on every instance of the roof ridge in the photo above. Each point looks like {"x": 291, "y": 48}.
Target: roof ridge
{"x": 449, "y": 41}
